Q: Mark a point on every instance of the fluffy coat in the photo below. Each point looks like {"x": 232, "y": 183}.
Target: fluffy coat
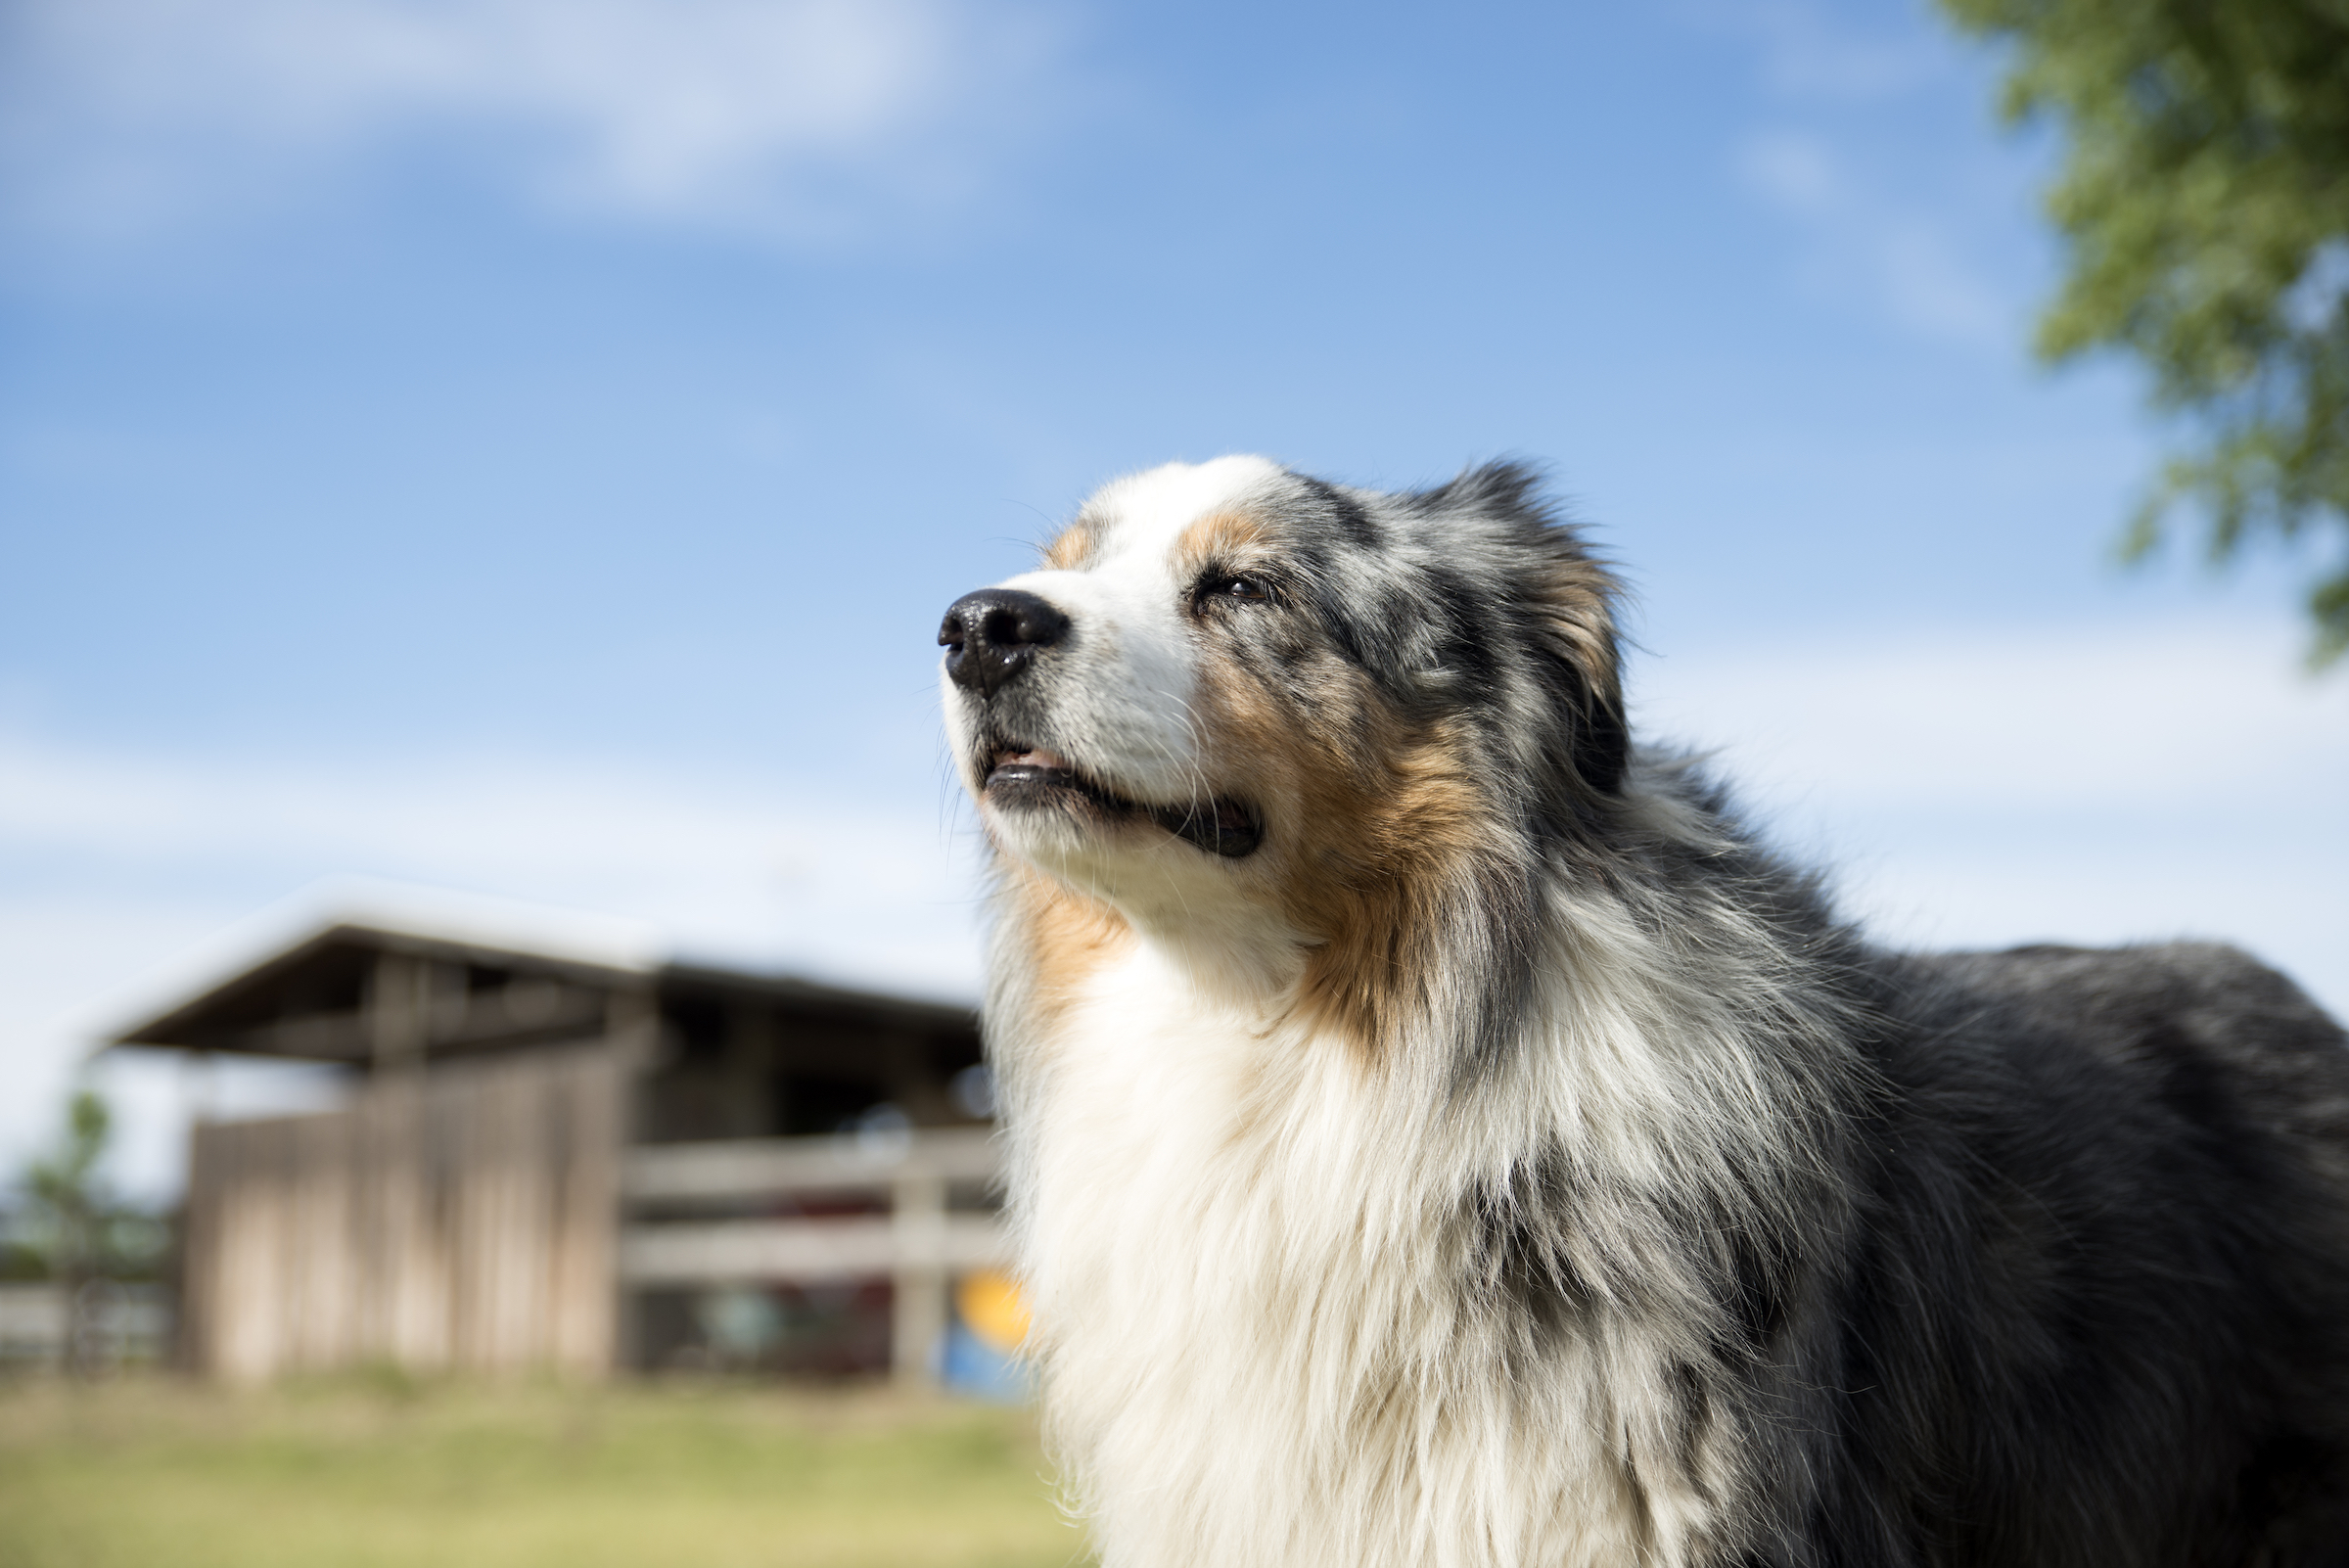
{"x": 1441, "y": 1136}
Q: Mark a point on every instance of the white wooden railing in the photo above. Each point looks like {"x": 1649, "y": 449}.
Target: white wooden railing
{"x": 920, "y": 1243}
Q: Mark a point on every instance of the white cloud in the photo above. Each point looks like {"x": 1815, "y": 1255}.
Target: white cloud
{"x": 1902, "y": 257}
{"x": 1976, "y": 788}
{"x": 1809, "y": 54}
{"x": 1794, "y": 172}
{"x": 753, "y": 111}
{"x": 2156, "y": 718}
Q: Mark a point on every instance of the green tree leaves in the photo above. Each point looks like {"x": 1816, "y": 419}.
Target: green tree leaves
{"x": 2204, "y": 202}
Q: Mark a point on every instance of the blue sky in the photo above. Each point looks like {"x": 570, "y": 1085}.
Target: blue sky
{"x": 522, "y": 447}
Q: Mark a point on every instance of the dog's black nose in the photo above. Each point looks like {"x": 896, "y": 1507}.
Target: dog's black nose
{"x": 992, "y": 635}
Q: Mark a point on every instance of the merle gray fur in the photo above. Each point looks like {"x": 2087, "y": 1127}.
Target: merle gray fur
{"x": 2036, "y": 1259}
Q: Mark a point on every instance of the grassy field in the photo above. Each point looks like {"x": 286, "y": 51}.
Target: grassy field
{"x": 157, "y": 1475}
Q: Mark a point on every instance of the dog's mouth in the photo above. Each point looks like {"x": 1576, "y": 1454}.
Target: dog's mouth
{"x": 1020, "y": 777}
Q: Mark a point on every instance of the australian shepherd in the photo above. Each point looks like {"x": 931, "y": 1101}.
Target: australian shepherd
{"x": 1441, "y": 1136}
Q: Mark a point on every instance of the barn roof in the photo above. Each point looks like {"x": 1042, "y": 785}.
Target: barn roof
{"x": 312, "y": 997}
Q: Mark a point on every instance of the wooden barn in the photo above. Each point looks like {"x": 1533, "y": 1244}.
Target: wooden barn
{"x": 579, "y": 1165}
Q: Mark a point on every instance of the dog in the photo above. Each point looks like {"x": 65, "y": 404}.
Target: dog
{"x": 1440, "y": 1135}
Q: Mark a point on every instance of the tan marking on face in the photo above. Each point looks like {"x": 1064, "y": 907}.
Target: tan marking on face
{"x": 1393, "y": 847}
{"x": 1073, "y": 546}
{"x": 1071, "y": 937}
{"x": 1218, "y": 536}
{"x": 1376, "y": 823}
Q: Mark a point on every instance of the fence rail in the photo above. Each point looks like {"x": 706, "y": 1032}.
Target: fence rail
{"x": 127, "y": 1322}
{"x": 753, "y": 1167}
{"x": 919, "y": 1244}
{"x": 805, "y": 1251}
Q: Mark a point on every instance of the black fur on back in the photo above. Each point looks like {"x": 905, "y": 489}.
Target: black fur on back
{"x": 2096, "y": 1306}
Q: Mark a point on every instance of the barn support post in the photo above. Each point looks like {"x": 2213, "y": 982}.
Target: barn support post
{"x": 405, "y": 1296}
{"x": 633, "y": 1037}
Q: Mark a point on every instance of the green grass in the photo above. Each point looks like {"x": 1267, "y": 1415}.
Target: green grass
{"x": 152, "y": 1474}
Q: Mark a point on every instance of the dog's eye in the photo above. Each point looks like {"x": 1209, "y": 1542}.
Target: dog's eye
{"x": 1254, "y": 590}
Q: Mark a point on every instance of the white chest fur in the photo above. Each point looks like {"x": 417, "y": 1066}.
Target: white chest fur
{"x": 1248, "y": 1257}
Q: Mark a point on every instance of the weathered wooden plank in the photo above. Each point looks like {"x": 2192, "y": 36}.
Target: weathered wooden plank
{"x": 200, "y": 1253}
{"x": 252, "y": 1258}
{"x": 523, "y": 1188}
{"x": 583, "y": 1288}
{"x": 320, "y": 1259}
{"x": 803, "y": 1251}
{"x": 499, "y": 1224}
{"x": 767, "y": 1167}
{"x": 417, "y": 1258}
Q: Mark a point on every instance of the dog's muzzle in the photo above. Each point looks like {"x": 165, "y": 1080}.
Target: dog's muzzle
{"x": 992, "y": 637}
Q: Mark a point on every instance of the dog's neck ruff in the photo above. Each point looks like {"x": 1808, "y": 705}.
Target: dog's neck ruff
{"x": 1288, "y": 1311}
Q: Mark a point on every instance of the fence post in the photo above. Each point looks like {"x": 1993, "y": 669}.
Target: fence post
{"x": 918, "y": 1284}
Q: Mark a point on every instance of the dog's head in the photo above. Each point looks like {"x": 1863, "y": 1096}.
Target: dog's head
{"x": 1235, "y": 696}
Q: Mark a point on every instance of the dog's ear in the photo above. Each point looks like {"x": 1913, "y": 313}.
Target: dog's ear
{"x": 1577, "y": 627}
{"x": 1572, "y": 604}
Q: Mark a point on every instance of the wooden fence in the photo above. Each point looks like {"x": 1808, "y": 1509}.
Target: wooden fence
{"x": 460, "y": 1219}
{"x": 919, "y": 1244}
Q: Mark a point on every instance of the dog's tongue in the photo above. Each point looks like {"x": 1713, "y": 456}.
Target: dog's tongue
{"x": 1040, "y": 758}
